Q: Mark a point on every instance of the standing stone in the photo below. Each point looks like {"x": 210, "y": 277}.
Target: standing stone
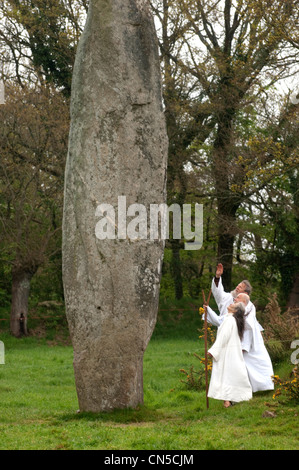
{"x": 117, "y": 147}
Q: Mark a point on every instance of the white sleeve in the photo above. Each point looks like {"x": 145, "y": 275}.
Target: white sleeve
{"x": 221, "y": 297}
{"x": 246, "y": 341}
{"x": 217, "y": 291}
{"x": 213, "y": 318}
{"x": 252, "y": 333}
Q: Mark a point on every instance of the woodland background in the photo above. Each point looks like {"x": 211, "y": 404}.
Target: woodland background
{"x": 231, "y": 95}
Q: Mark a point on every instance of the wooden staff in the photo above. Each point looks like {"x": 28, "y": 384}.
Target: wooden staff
{"x": 206, "y": 342}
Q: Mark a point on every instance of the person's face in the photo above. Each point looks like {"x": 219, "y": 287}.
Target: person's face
{"x": 239, "y": 298}
{"x": 240, "y": 289}
{"x": 231, "y": 308}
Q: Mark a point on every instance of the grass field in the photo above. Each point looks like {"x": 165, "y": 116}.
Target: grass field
{"x": 38, "y": 403}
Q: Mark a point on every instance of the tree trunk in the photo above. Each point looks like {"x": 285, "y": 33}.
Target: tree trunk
{"x": 226, "y": 237}
{"x": 225, "y": 256}
{"x": 19, "y": 302}
{"x": 117, "y": 147}
{"x": 293, "y": 299}
{"x": 176, "y": 268}
{"x": 227, "y": 201}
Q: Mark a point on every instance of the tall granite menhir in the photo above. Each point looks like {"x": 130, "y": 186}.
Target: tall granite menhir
{"x": 117, "y": 147}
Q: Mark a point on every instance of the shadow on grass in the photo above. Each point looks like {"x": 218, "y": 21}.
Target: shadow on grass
{"x": 127, "y": 416}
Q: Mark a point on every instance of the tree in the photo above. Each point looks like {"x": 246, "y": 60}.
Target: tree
{"x": 275, "y": 204}
{"x": 33, "y": 142}
{"x": 41, "y": 37}
{"x": 38, "y": 40}
{"x": 186, "y": 121}
{"x": 233, "y": 51}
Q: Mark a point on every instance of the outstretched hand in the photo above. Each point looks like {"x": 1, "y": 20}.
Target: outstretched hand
{"x": 219, "y": 270}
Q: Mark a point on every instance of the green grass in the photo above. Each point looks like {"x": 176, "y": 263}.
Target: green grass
{"x": 38, "y": 402}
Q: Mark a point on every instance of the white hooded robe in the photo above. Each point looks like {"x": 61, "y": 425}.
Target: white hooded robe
{"x": 229, "y": 379}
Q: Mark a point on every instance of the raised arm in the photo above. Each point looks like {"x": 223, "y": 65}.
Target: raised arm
{"x": 220, "y": 296}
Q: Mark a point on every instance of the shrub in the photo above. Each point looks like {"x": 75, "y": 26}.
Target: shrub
{"x": 279, "y": 329}
{"x": 288, "y": 387}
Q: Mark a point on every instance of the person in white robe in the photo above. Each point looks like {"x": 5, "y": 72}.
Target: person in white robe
{"x": 229, "y": 379}
{"x": 256, "y": 356}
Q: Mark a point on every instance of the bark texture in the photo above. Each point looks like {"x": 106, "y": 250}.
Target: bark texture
{"x": 117, "y": 146}
{"x": 19, "y": 301}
